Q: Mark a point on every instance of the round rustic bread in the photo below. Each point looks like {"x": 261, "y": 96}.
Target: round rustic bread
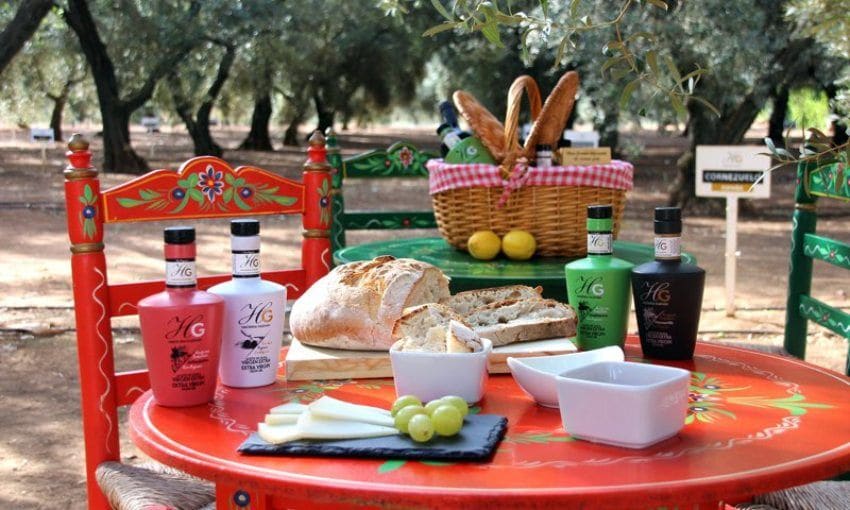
{"x": 356, "y": 305}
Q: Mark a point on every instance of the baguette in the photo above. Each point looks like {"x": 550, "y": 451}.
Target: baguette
{"x": 522, "y": 320}
{"x": 464, "y": 302}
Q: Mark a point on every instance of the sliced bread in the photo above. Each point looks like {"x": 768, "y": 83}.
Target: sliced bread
{"x": 464, "y": 302}
{"x": 522, "y": 320}
{"x": 462, "y": 338}
{"x": 433, "y": 328}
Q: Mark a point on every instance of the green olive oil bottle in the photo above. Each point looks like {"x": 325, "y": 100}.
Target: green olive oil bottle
{"x": 598, "y": 285}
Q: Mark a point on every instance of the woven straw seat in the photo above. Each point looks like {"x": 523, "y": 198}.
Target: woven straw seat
{"x": 153, "y": 485}
{"x": 813, "y": 496}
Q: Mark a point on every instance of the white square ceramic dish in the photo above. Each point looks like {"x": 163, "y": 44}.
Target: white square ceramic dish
{"x": 625, "y": 404}
{"x": 431, "y": 375}
{"x": 536, "y": 376}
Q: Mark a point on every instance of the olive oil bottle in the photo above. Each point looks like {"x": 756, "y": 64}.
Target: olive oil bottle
{"x": 668, "y": 293}
{"x": 598, "y": 285}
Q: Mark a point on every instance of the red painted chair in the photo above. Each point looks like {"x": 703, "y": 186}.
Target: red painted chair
{"x": 156, "y": 196}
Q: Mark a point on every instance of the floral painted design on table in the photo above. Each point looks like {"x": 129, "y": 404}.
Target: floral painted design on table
{"x": 309, "y": 391}
{"x": 709, "y": 400}
{"x": 88, "y": 213}
{"x": 204, "y": 187}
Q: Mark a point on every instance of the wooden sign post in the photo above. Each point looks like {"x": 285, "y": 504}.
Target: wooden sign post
{"x": 732, "y": 171}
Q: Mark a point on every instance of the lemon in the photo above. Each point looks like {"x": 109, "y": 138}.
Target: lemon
{"x": 519, "y": 245}
{"x": 484, "y": 244}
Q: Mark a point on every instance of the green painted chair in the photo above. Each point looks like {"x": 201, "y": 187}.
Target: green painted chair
{"x": 402, "y": 159}
{"x": 814, "y": 181}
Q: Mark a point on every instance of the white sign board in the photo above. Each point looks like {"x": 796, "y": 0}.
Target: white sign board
{"x": 41, "y": 134}
{"x": 732, "y": 170}
{"x": 150, "y": 123}
{"x": 582, "y": 138}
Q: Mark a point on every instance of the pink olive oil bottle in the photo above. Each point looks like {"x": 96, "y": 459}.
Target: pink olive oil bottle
{"x": 181, "y": 329}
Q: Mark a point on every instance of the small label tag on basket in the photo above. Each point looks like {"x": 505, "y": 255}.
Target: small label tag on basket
{"x": 584, "y": 156}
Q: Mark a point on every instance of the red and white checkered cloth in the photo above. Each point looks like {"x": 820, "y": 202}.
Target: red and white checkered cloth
{"x": 445, "y": 176}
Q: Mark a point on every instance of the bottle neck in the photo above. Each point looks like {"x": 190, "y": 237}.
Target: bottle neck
{"x": 246, "y": 256}
{"x": 180, "y": 273}
{"x": 450, "y": 136}
{"x": 246, "y": 264}
{"x": 600, "y": 243}
{"x": 668, "y": 246}
{"x": 600, "y": 240}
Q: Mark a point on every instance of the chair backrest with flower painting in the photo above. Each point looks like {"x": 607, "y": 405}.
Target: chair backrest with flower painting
{"x": 400, "y": 160}
{"x": 203, "y": 187}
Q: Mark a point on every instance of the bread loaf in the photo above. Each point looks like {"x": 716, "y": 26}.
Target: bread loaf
{"x": 356, "y": 305}
{"x": 464, "y": 302}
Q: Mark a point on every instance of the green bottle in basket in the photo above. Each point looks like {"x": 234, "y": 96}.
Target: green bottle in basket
{"x": 598, "y": 286}
{"x": 458, "y": 146}
{"x": 470, "y": 150}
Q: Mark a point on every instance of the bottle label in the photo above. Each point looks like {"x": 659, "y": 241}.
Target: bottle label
{"x": 601, "y": 307}
{"x": 668, "y": 247}
{"x": 187, "y": 358}
{"x": 544, "y": 159}
{"x": 655, "y": 316}
{"x": 600, "y": 243}
{"x": 246, "y": 264}
{"x": 251, "y": 342}
{"x": 180, "y": 273}
{"x": 451, "y": 139}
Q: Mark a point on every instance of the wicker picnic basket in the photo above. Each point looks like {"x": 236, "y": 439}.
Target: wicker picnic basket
{"x": 550, "y": 203}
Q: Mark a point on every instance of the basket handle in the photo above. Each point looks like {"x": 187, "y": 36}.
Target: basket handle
{"x": 513, "y": 150}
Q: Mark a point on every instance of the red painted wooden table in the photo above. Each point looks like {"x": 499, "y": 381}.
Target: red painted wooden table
{"x": 756, "y": 423}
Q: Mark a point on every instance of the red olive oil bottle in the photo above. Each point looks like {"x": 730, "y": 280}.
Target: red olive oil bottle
{"x": 668, "y": 293}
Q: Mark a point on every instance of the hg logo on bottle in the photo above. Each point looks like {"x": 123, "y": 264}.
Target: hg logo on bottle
{"x": 190, "y": 327}
{"x": 259, "y": 314}
{"x": 656, "y": 293}
{"x": 182, "y": 272}
{"x": 591, "y": 286}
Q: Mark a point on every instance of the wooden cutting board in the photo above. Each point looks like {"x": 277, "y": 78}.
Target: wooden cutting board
{"x": 304, "y": 362}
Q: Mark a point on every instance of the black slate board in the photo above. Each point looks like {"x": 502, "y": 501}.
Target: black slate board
{"x": 477, "y": 440}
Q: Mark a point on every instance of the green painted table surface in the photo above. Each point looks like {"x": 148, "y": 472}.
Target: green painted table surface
{"x": 467, "y": 273}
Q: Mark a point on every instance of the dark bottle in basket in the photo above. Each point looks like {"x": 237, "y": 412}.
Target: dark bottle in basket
{"x": 449, "y": 131}
{"x": 668, "y": 293}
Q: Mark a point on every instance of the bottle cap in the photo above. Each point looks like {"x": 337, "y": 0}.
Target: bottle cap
{"x": 668, "y": 220}
{"x": 599, "y": 212}
{"x": 245, "y": 228}
{"x": 442, "y": 127}
{"x": 447, "y": 111}
{"x": 179, "y": 235}
{"x": 542, "y": 147}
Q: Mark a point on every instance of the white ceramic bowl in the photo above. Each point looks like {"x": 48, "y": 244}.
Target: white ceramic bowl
{"x": 431, "y": 375}
{"x": 537, "y": 375}
{"x": 624, "y": 404}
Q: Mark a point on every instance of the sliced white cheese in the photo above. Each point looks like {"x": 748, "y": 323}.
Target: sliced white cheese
{"x": 310, "y": 426}
{"x": 281, "y": 419}
{"x": 328, "y": 407}
{"x": 288, "y": 408}
{"x": 277, "y": 434}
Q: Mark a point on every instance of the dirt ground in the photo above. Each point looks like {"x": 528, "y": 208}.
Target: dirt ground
{"x": 41, "y": 459}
